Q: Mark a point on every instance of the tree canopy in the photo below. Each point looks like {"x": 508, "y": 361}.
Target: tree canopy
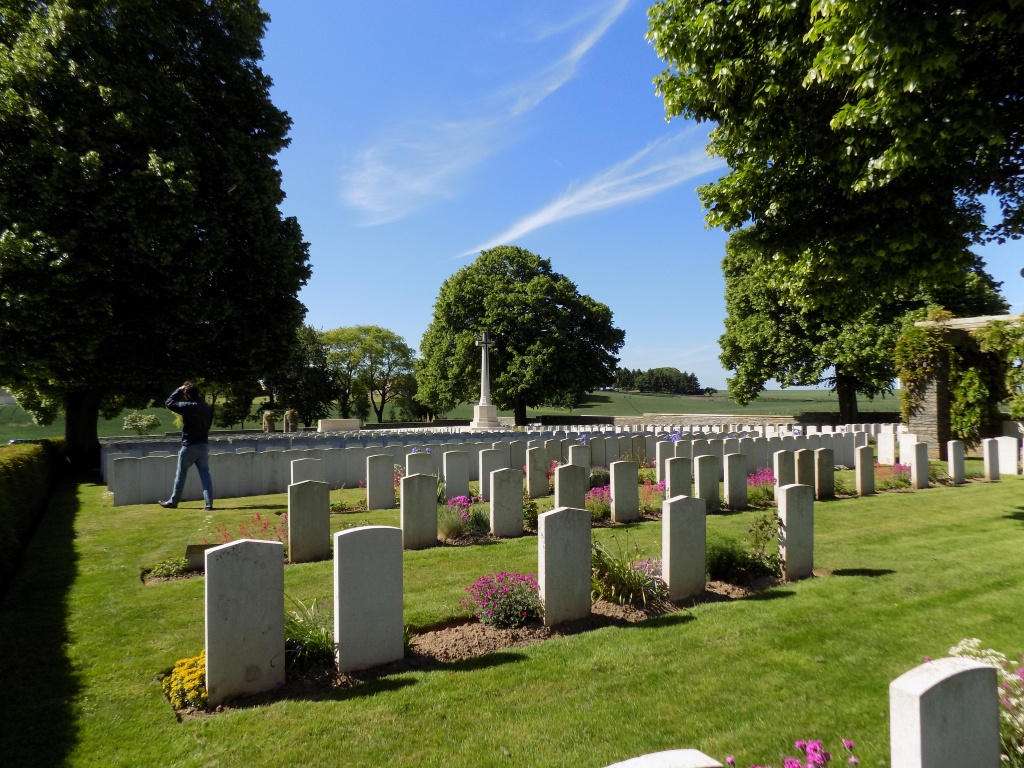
{"x": 661, "y": 380}
{"x": 141, "y": 241}
{"x": 552, "y": 343}
{"x": 861, "y": 135}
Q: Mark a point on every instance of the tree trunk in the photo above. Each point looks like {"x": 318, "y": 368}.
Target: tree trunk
{"x": 81, "y": 442}
{"x": 846, "y": 391}
{"x": 519, "y": 410}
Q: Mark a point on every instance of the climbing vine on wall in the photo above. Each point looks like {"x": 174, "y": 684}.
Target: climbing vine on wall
{"x": 980, "y": 366}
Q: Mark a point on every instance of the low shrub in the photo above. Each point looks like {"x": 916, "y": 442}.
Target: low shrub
{"x": 309, "y": 634}
{"x": 764, "y": 536}
{"x": 600, "y": 477}
{"x": 892, "y": 478}
{"x": 1010, "y": 683}
{"x": 504, "y": 600}
{"x": 461, "y": 516}
{"x": 29, "y": 474}
{"x": 530, "y": 512}
{"x": 646, "y": 474}
{"x": 141, "y": 423}
{"x": 728, "y": 560}
{"x": 619, "y": 578}
{"x": 185, "y": 685}
{"x": 168, "y": 569}
{"x": 598, "y": 502}
{"x": 262, "y": 527}
{"x": 651, "y": 496}
{"x": 761, "y": 488}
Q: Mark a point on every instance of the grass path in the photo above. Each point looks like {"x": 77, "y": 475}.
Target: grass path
{"x": 83, "y": 641}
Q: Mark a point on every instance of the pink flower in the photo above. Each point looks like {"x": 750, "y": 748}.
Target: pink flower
{"x": 848, "y": 744}
{"x": 730, "y": 760}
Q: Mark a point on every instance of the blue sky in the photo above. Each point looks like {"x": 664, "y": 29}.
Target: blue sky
{"x": 424, "y": 132}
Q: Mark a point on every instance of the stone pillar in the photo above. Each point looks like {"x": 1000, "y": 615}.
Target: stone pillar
{"x": 309, "y": 521}
{"x": 865, "y": 471}
{"x": 796, "y": 531}
{"x": 930, "y": 421}
{"x": 563, "y": 564}
{"x": 368, "y": 629}
{"x": 945, "y": 714}
{"x": 625, "y": 491}
{"x": 485, "y": 415}
{"x": 244, "y": 618}
{"x": 683, "y": 546}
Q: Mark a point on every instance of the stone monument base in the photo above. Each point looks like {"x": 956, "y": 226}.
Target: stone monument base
{"x": 485, "y": 417}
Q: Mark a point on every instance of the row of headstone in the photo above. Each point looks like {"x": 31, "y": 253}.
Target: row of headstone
{"x": 942, "y": 714}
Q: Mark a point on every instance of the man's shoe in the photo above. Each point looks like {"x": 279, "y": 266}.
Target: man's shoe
{"x": 168, "y": 504}
{"x": 209, "y": 508}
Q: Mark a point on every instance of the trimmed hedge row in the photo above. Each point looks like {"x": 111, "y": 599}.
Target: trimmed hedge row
{"x": 29, "y": 473}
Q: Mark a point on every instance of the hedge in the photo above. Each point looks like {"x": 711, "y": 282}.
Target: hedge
{"x": 29, "y": 473}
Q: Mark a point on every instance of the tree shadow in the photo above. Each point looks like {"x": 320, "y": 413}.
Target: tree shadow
{"x": 1017, "y": 514}
{"x": 771, "y": 594}
{"x": 37, "y": 678}
{"x": 595, "y": 399}
{"x": 871, "y": 573}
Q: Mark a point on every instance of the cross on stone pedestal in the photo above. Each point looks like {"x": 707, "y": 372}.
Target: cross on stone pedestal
{"x": 485, "y": 371}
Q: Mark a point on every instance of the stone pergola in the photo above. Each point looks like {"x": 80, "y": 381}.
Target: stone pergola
{"x": 931, "y": 422}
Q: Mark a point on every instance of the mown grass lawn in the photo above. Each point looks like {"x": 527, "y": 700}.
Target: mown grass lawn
{"x": 83, "y": 642}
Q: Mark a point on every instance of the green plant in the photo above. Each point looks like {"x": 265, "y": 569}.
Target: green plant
{"x": 166, "y": 569}
{"x": 764, "y": 536}
{"x": 842, "y": 489}
{"x": 141, "y": 423}
{"x": 598, "y": 502}
{"x": 761, "y": 488}
{"x": 618, "y": 578}
{"x": 530, "y": 511}
{"x": 728, "y": 560}
{"x": 891, "y": 478}
{"x": 651, "y": 496}
{"x": 600, "y": 477}
{"x": 308, "y": 634}
{"x": 504, "y": 600}
{"x": 185, "y": 685}
{"x": 449, "y": 523}
{"x": 646, "y": 475}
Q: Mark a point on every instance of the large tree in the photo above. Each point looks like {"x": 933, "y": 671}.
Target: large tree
{"x": 860, "y": 135}
{"x": 387, "y": 361}
{"x": 552, "y": 343}
{"x": 141, "y": 241}
{"x": 768, "y": 338}
{"x": 306, "y": 383}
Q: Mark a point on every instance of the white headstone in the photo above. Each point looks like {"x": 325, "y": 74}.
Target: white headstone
{"x": 244, "y": 618}
{"x": 1009, "y": 455}
{"x": 677, "y": 482}
{"x": 672, "y": 758}
{"x": 705, "y": 481}
{"x": 309, "y": 521}
{"x": 919, "y": 466}
{"x": 489, "y": 460}
{"x": 507, "y": 503}
{"x": 456, "y": 474}
{"x": 308, "y": 469}
{"x": 683, "y": 546}
{"x": 380, "y": 481}
{"x": 368, "y": 629}
{"x": 418, "y": 502}
{"x": 824, "y": 474}
{"x": 625, "y": 491}
{"x": 571, "y": 486}
{"x": 865, "y": 470}
{"x": 955, "y": 459}
{"x": 796, "y": 531}
{"x": 563, "y": 567}
{"x": 735, "y": 481}
{"x": 536, "y": 473}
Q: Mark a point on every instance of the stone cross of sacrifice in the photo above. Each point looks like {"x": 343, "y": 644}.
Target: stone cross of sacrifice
{"x": 485, "y": 371}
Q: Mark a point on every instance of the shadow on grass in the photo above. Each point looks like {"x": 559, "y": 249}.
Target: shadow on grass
{"x": 36, "y": 677}
{"x": 871, "y": 573}
{"x": 1017, "y": 514}
{"x": 771, "y": 594}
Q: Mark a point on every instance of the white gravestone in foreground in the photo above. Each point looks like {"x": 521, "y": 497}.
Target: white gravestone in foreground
{"x": 796, "y": 531}
{"x": 563, "y": 564}
{"x": 672, "y": 758}
{"x": 368, "y": 596}
{"x": 244, "y": 618}
{"x": 683, "y": 546}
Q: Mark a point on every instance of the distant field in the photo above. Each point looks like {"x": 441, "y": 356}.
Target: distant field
{"x": 15, "y": 423}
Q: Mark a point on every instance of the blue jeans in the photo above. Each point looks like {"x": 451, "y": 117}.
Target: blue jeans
{"x": 199, "y": 455}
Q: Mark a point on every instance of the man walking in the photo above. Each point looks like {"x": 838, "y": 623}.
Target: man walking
{"x": 196, "y": 417}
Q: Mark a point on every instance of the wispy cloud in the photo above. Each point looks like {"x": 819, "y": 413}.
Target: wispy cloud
{"x": 419, "y": 163}
{"x": 660, "y": 165}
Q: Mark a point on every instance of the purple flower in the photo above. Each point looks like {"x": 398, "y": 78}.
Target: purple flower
{"x": 730, "y": 760}
{"x": 848, "y": 744}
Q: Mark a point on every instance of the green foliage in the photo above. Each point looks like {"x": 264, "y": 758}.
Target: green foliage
{"x": 141, "y": 423}
{"x": 827, "y": 113}
{"x": 168, "y": 569}
{"x": 667, "y": 380}
{"x": 551, "y": 342}
{"x": 728, "y": 560}
{"x": 600, "y": 476}
{"x": 306, "y": 382}
{"x": 370, "y": 366}
{"x": 309, "y": 634}
{"x": 29, "y": 473}
{"x": 764, "y": 537}
{"x": 151, "y": 246}
{"x": 530, "y": 512}
{"x": 620, "y": 578}
{"x": 1006, "y": 342}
